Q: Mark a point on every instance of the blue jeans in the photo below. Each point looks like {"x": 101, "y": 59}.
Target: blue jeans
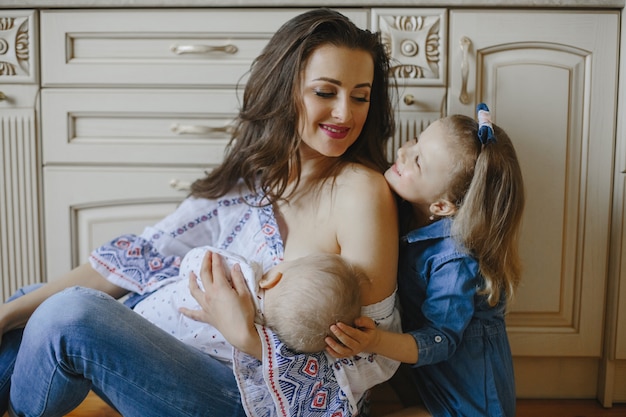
{"x": 8, "y": 351}
{"x": 82, "y": 339}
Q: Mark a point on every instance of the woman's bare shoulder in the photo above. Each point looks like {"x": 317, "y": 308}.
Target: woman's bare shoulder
{"x": 365, "y": 218}
{"x": 358, "y": 182}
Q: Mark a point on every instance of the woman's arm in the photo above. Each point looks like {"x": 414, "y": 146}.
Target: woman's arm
{"x": 16, "y": 313}
{"x": 226, "y": 305}
{"x": 367, "y": 229}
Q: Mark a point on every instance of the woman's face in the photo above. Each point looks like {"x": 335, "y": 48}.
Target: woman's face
{"x": 336, "y": 88}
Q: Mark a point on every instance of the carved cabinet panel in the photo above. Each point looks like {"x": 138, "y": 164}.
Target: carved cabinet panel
{"x": 18, "y": 50}
{"x": 416, "y": 40}
{"x": 20, "y": 239}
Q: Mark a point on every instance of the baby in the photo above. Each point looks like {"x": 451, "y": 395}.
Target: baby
{"x": 298, "y": 299}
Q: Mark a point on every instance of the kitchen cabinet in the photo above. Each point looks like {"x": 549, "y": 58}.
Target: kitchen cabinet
{"x": 21, "y": 249}
{"x": 612, "y": 385}
{"x": 137, "y": 102}
{"x": 551, "y": 81}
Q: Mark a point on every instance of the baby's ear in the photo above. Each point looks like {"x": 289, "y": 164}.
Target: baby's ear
{"x": 270, "y": 280}
{"x": 443, "y": 208}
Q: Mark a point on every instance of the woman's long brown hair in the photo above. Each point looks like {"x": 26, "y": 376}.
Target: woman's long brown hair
{"x": 263, "y": 151}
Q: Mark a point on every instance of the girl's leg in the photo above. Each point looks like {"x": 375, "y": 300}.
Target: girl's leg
{"x": 81, "y": 337}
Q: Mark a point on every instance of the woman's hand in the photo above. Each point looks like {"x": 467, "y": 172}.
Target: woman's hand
{"x": 352, "y": 340}
{"x": 226, "y": 304}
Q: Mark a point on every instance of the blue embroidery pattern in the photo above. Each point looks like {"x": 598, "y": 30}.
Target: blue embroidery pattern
{"x": 134, "y": 259}
{"x": 301, "y": 385}
{"x": 135, "y": 263}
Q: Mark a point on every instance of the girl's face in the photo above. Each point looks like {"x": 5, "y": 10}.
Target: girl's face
{"x": 336, "y": 88}
{"x": 422, "y": 169}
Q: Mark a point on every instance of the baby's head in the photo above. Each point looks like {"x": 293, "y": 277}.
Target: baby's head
{"x": 313, "y": 293}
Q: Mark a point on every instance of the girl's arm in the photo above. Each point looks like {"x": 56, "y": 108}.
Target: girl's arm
{"x": 452, "y": 286}
{"x": 368, "y": 338}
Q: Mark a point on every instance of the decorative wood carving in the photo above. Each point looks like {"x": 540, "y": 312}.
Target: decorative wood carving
{"x": 15, "y": 48}
{"x": 416, "y": 45}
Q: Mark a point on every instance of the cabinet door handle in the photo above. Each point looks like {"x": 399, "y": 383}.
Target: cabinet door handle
{"x": 3, "y": 96}
{"x": 179, "y": 185}
{"x": 198, "y": 129}
{"x": 466, "y": 43}
{"x": 203, "y": 49}
{"x": 409, "y": 99}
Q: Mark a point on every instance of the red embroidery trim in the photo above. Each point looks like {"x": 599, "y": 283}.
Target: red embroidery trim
{"x": 270, "y": 359}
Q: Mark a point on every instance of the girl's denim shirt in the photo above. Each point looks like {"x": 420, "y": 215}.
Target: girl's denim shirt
{"x": 438, "y": 285}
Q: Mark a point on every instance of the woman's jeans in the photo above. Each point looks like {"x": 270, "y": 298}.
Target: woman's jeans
{"x": 9, "y": 346}
{"x": 82, "y": 339}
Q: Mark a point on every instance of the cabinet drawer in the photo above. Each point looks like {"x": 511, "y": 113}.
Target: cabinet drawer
{"x": 188, "y": 47}
{"x": 86, "y": 206}
{"x": 140, "y": 126}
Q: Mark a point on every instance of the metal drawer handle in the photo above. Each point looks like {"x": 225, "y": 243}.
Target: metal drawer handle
{"x": 203, "y": 49}
{"x": 198, "y": 129}
{"x": 466, "y": 43}
{"x": 409, "y": 99}
{"x": 179, "y": 185}
{"x": 3, "y": 96}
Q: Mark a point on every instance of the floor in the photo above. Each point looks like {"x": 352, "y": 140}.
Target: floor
{"x": 94, "y": 407}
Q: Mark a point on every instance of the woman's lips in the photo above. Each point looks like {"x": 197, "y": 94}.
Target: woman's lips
{"x": 335, "y": 132}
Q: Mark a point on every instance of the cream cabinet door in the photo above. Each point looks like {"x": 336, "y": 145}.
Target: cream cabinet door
{"x": 550, "y": 78}
{"x": 86, "y": 207}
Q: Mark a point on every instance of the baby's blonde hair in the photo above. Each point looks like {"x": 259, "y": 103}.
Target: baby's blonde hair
{"x": 316, "y": 291}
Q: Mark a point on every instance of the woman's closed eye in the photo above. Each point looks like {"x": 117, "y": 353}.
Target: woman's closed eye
{"x": 361, "y": 98}
{"x": 325, "y": 94}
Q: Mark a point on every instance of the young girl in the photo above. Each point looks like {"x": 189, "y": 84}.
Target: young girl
{"x": 462, "y": 189}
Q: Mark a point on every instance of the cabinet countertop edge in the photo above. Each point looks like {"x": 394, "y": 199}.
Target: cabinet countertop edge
{"x": 52, "y": 4}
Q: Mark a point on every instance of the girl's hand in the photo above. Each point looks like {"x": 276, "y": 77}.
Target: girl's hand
{"x": 352, "y": 340}
{"x": 226, "y": 304}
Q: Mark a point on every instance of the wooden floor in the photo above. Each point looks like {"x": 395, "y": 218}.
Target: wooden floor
{"x": 94, "y": 407}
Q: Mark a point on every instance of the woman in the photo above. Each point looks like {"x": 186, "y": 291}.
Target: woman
{"x": 303, "y": 174}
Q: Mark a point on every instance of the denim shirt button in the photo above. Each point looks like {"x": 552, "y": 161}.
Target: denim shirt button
{"x": 438, "y": 339}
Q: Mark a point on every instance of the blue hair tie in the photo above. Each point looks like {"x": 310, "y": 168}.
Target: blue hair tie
{"x": 485, "y": 127}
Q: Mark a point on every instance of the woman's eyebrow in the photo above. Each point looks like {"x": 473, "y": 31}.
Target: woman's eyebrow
{"x": 339, "y": 83}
